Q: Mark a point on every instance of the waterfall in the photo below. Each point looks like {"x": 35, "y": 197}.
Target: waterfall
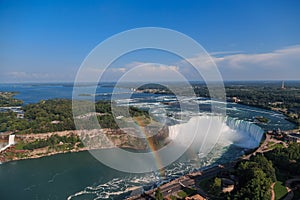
{"x": 11, "y": 140}
{"x": 201, "y": 133}
{"x": 244, "y": 134}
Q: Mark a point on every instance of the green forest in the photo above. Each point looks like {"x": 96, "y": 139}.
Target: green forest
{"x": 7, "y": 99}
{"x": 268, "y": 95}
{"x": 56, "y": 115}
{"x": 255, "y": 176}
{"x": 264, "y": 95}
{"x": 53, "y": 142}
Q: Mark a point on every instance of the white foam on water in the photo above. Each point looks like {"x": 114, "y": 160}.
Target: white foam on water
{"x": 214, "y": 129}
{"x": 215, "y": 134}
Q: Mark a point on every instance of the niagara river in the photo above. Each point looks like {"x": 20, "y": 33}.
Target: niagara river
{"x": 79, "y": 175}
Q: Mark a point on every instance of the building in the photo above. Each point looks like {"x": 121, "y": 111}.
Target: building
{"x": 236, "y": 99}
{"x": 282, "y": 85}
{"x": 55, "y": 122}
{"x": 227, "y": 185}
{"x": 20, "y": 114}
{"x": 195, "y": 197}
{"x": 15, "y": 109}
{"x": 293, "y": 137}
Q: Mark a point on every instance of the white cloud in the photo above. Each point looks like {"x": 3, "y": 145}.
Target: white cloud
{"x": 134, "y": 71}
{"x": 121, "y": 69}
{"x": 22, "y": 76}
{"x": 27, "y": 75}
{"x": 281, "y": 64}
{"x": 147, "y": 72}
{"x": 278, "y": 64}
{"x": 201, "y": 61}
{"x": 218, "y": 53}
{"x": 17, "y": 74}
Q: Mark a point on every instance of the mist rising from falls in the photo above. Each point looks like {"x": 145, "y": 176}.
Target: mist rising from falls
{"x": 202, "y": 133}
{"x": 243, "y": 134}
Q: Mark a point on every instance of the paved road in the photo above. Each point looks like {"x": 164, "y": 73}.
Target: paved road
{"x": 262, "y": 148}
{"x": 272, "y": 191}
{"x": 192, "y": 179}
{"x": 189, "y": 181}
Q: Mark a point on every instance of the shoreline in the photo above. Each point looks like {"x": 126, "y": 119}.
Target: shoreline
{"x": 42, "y": 156}
{"x": 197, "y": 174}
{"x": 200, "y": 173}
{"x": 109, "y": 133}
{"x": 277, "y": 110}
{"x": 286, "y": 117}
{"x": 113, "y": 138}
{"x": 64, "y": 152}
{"x": 203, "y": 172}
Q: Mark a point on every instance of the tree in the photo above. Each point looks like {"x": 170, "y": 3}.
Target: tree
{"x": 266, "y": 165}
{"x": 258, "y": 187}
{"x": 254, "y": 183}
{"x": 215, "y": 187}
{"x": 158, "y": 194}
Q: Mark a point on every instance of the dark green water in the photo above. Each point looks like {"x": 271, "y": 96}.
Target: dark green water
{"x": 54, "y": 177}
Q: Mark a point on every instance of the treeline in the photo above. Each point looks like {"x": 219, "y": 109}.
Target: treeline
{"x": 265, "y": 96}
{"x": 107, "y": 119}
{"x": 56, "y": 115}
{"x": 255, "y": 176}
{"x": 286, "y": 159}
{"x": 45, "y": 116}
{"x": 7, "y": 99}
{"x": 286, "y": 100}
{"x": 259, "y": 95}
{"x": 254, "y": 179}
{"x": 54, "y": 142}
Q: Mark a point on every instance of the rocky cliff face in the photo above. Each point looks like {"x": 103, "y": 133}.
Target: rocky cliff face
{"x": 92, "y": 139}
{"x": 124, "y": 138}
{"x": 108, "y": 138}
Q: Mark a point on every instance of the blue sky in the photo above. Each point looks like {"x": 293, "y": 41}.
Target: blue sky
{"x": 249, "y": 40}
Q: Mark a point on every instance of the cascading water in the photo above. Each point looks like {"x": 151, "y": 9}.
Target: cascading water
{"x": 244, "y": 134}
{"x": 202, "y": 133}
{"x": 11, "y": 140}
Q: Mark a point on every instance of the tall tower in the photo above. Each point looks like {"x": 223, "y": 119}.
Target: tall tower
{"x": 282, "y": 85}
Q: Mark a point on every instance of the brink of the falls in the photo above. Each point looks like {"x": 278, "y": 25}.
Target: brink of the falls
{"x": 201, "y": 133}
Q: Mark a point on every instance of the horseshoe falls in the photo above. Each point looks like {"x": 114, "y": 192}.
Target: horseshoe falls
{"x": 242, "y": 133}
{"x": 202, "y": 133}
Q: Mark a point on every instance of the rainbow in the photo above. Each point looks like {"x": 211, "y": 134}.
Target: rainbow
{"x": 151, "y": 145}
